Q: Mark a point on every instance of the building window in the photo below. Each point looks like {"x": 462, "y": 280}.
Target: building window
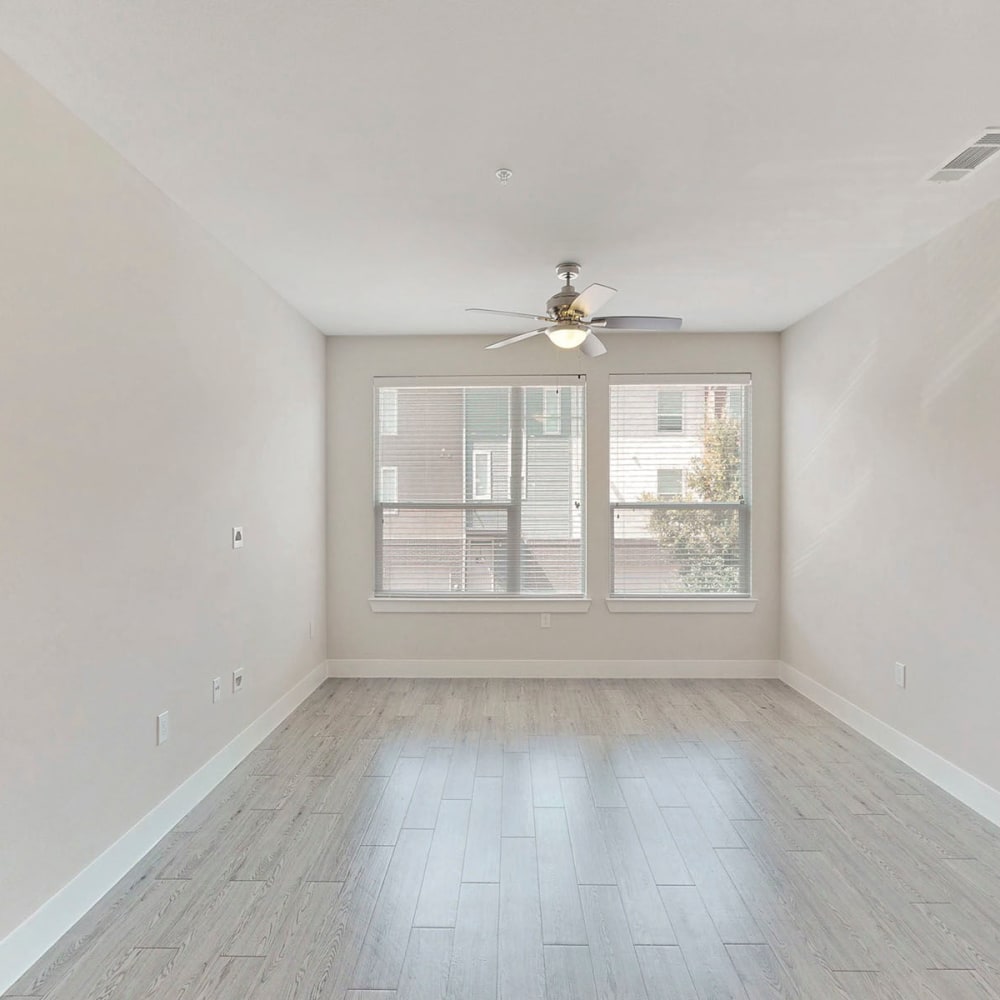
{"x": 489, "y": 500}
{"x": 388, "y": 489}
{"x": 680, "y": 503}
{"x": 669, "y": 484}
{"x": 482, "y": 475}
{"x": 551, "y": 412}
{"x": 670, "y": 410}
{"x": 388, "y": 413}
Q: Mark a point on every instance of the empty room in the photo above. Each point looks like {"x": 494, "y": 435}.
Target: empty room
{"x": 499, "y": 501}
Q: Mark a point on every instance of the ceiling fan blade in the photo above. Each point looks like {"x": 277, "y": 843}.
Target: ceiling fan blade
{"x": 592, "y": 298}
{"x": 504, "y": 312}
{"x": 592, "y": 347}
{"x": 652, "y": 323}
{"x": 514, "y": 340}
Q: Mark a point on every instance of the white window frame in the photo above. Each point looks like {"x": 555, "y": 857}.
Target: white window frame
{"x": 679, "y": 602}
{"x": 478, "y": 455}
{"x": 510, "y": 601}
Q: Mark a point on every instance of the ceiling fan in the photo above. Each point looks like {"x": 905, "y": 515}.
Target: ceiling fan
{"x": 572, "y": 319}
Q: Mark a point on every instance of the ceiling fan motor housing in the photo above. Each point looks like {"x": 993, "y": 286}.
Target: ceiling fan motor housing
{"x": 559, "y": 304}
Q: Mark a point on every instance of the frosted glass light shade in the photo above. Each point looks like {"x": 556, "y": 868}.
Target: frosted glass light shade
{"x": 567, "y": 335}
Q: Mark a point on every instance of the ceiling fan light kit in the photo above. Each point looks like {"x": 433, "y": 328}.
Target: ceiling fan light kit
{"x": 571, "y": 317}
{"x": 568, "y": 335}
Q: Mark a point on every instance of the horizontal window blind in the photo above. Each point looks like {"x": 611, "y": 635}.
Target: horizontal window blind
{"x": 680, "y": 485}
{"x": 487, "y": 493}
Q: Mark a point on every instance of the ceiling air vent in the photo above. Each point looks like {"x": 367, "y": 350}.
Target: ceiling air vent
{"x": 967, "y": 161}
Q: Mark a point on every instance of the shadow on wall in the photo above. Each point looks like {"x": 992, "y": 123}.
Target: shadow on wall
{"x": 841, "y": 512}
{"x": 839, "y": 408}
{"x": 960, "y": 356}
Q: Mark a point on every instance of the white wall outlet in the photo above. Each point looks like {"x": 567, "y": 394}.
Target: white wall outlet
{"x": 546, "y": 620}
{"x": 901, "y": 675}
{"x": 237, "y": 681}
{"x": 237, "y": 538}
{"x": 216, "y": 690}
{"x": 162, "y": 728}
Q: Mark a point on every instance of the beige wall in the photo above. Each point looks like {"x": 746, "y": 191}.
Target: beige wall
{"x": 355, "y": 632}
{"x": 153, "y": 393}
{"x": 891, "y": 492}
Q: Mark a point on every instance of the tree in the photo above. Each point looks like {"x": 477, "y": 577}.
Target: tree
{"x": 705, "y": 544}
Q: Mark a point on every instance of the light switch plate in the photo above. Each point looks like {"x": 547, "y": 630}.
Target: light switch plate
{"x": 237, "y": 538}
{"x": 162, "y": 728}
{"x": 237, "y": 681}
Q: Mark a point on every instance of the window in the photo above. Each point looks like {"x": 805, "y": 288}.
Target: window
{"x": 680, "y": 503}
{"x": 388, "y": 412}
{"x": 482, "y": 475}
{"x": 670, "y": 410}
{"x": 669, "y": 484}
{"x": 551, "y": 412}
{"x": 489, "y": 490}
{"x": 388, "y": 484}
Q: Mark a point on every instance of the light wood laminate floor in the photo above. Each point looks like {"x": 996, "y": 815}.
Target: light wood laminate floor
{"x": 569, "y": 840}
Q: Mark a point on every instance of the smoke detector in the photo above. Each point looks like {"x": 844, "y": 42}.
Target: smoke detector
{"x": 971, "y": 158}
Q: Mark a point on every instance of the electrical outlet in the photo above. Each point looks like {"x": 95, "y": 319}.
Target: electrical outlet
{"x": 216, "y": 690}
{"x": 162, "y": 728}
{"x": 546, "y": 620}
{"x": 237, "y": 681}
{"x": 237, "y": 538}
{"x": 901, "y": 675}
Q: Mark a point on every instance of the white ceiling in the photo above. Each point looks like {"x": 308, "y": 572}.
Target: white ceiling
{"x": 737, "y": 163}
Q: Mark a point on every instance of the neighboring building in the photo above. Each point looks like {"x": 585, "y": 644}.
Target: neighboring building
{"x": 451, "y": 457}
{"x": 657, "y": 435}
{"x": 455, "y": 446}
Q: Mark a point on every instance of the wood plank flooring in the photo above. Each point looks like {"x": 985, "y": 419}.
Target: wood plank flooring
{"x": 553, "y": 840}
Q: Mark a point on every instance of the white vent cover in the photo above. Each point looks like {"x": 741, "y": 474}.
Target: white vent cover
{"x": 970, "y": 158}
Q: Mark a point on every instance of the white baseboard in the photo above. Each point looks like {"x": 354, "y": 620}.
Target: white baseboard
{"x": 617, "y": 669}
{"x": 31, "y": 939}
{"x": 967, "y": 788}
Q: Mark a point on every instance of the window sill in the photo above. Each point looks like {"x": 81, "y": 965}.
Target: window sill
{"x": 473, "y": 605}
{"x": 681, "y": 605}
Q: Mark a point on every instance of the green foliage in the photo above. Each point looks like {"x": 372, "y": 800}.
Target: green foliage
{"x": 715, "y": 477}
{"x": 706, "y": 543}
